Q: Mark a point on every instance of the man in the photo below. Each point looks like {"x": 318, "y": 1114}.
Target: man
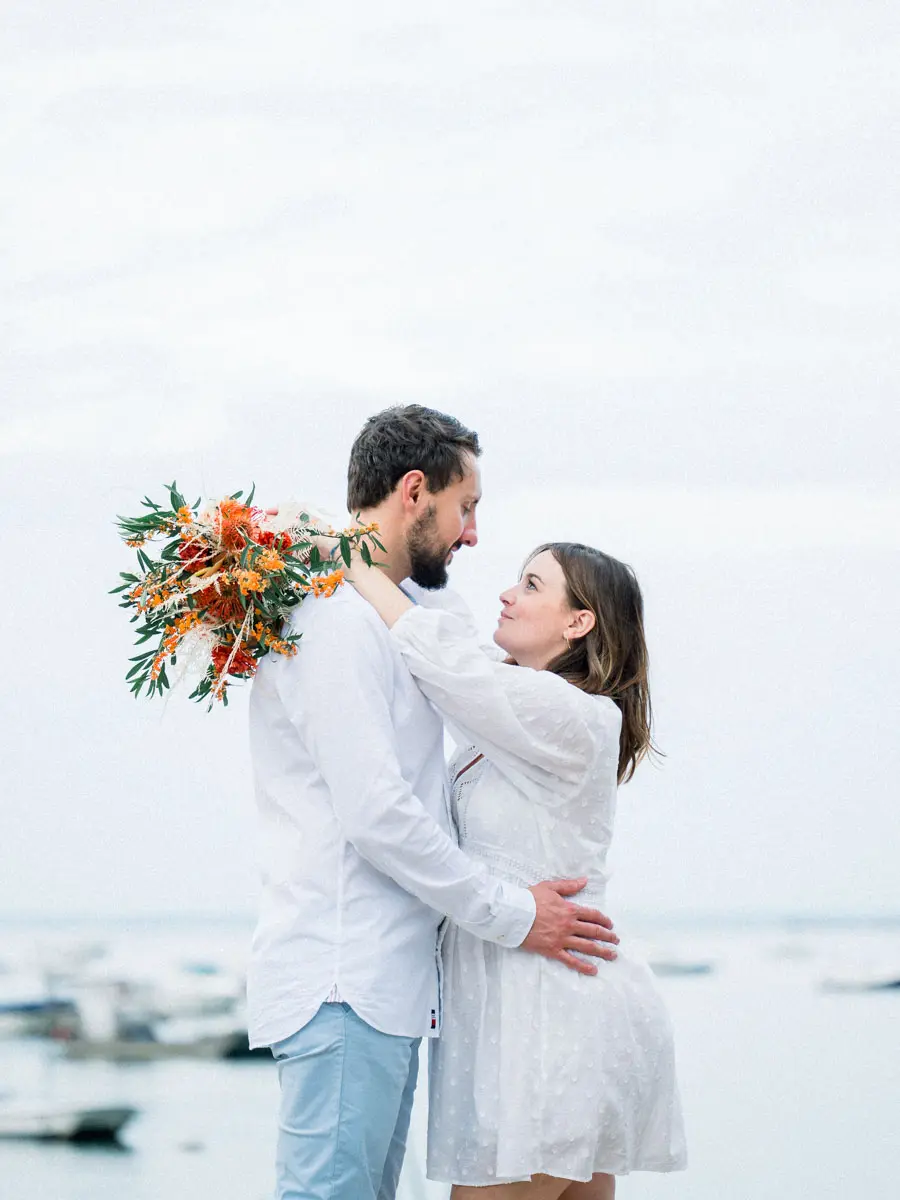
{"x": 359, "y": 862}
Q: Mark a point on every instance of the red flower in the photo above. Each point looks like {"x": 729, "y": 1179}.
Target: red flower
{"x": 225, "y": 608}
{"x": 242, "y": 663}
{"x": 194, "y": 553}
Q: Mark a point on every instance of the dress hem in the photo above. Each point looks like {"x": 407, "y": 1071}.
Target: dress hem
{"x": 671, "y": 1166}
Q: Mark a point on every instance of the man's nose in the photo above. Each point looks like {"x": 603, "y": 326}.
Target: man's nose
{"x": 469, "y": 533}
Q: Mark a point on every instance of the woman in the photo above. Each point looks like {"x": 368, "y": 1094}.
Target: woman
{"x": 545, "y": 1083}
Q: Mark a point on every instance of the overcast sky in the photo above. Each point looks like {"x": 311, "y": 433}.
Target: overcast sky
{"x": 650, "y": 251}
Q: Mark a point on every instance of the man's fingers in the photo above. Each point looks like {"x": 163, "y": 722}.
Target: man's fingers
{"x": 566, "y": 887}
{"x": 592, "y": 915}
{"x": 595, "y": 949}
{"x": 576, "y": 964}
{"x": 598, "y": 932}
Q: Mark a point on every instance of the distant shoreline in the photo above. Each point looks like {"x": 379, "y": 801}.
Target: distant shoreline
{"x": 691, "y": 920}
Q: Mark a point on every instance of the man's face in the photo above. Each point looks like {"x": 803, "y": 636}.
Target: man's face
{"x": 447, "y": 523}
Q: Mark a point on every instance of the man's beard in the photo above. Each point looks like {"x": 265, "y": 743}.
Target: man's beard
{"x": 427, "y": 562}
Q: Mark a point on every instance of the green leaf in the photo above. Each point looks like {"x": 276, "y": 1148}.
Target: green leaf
{"x": 252, "y": 494}
{"x": 345, "y": 551}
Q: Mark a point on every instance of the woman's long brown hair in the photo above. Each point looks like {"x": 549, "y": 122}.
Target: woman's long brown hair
{"x": 611, "y": 660}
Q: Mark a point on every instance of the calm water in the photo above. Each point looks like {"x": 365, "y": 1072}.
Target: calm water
{"x": 789, "y": 1091}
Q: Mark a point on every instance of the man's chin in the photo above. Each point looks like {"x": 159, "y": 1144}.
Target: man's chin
{"x": 431, "y": 578}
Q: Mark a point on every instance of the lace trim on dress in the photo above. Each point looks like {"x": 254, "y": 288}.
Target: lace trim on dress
{"x": 526, "y": 874}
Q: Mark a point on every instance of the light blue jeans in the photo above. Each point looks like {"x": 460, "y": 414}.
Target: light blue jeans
{"x": 346, "y": 1095}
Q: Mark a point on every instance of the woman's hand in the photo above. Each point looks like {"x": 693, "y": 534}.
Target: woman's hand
{"x": 328, "y": 545}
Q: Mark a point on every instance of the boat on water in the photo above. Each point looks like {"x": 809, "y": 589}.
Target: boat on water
{"x": 64, "y": 1123}
{"x": 38, "y": 1016}
{"x": 231, "y": 1045}
{"x": 680, "y": 966}
{"x": 863, "y": 981}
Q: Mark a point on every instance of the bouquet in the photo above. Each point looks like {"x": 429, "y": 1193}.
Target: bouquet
{"x": 224, "y": 585}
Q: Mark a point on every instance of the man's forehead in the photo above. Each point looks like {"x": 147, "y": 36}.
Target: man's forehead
{"x": 471, "y": 480}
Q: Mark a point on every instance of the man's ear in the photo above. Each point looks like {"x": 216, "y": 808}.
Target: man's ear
{"x": 412, "y": 488}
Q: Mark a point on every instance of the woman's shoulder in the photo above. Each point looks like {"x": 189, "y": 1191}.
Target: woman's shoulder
{"x": 568, "y": 696}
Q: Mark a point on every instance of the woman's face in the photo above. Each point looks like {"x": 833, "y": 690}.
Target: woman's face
{"x": 536, "y": 618}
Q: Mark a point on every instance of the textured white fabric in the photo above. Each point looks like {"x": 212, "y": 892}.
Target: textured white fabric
{"x": 358, "y": 860}
{"x": 538, "y": 1069}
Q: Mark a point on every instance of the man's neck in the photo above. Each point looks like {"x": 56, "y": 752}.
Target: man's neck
{"x": 391, "y": 537}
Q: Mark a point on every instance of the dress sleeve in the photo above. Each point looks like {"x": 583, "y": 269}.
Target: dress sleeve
{"x": 528, "y": 723}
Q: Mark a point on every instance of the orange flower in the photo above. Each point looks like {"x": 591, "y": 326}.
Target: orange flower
{"x": 235, "y": 525}
{"x": 250, "y": 581}
{"x": 327, "y": 585}
{"x": 227, "y": 608}
{"x": 269, "y": 561}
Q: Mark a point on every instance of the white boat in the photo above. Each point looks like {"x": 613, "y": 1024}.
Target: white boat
{"x": 229, "y": 1045}
{"x": 70, "y": 1124}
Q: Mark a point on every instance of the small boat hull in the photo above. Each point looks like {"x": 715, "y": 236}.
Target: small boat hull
{"x": 66, "y": 1124}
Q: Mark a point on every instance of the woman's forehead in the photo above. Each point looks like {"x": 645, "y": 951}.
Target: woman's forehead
{"x": 543, "y": 564}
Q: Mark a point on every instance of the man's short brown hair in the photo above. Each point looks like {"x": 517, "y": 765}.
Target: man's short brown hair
{"x": 403, "y": 439}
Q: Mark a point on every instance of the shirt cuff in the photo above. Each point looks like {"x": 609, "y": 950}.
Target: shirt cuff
{"x": 521, "y": 910}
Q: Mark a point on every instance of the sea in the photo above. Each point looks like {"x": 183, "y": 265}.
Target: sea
{"x": 790, "y": 1086}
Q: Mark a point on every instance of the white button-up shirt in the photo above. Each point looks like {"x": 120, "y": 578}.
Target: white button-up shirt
{"x": 359, "y": 859}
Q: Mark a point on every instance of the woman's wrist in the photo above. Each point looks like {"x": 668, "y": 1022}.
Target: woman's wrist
{"x": 358, "y": 568}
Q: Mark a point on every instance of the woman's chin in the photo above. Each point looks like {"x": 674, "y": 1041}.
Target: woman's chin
{"x": 499, "y": 639}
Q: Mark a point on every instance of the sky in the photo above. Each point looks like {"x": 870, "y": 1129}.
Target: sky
{"x": 650, "y": 252}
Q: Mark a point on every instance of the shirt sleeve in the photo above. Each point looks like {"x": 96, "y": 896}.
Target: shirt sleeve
{"x": 338, "y": 699}
{"x": 528, "y": 723}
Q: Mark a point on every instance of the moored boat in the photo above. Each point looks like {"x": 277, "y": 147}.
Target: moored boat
{"x": 64, "y": 1123}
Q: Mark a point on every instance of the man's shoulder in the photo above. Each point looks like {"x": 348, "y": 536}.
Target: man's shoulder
{"x": 345, "y": 610}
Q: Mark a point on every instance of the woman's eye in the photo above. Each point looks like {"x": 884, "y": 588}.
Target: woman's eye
{"x": 530, "y": 584}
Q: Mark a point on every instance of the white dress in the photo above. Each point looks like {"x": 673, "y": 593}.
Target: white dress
{"x": 538, "y": 1069}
